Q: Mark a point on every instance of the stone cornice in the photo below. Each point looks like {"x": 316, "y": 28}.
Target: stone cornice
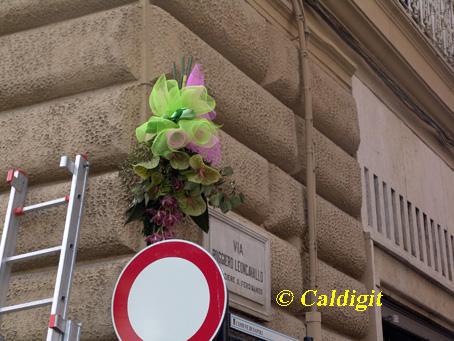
{"x": 423, "y": 79}
{"x": 432, "y": 104}
{"x": 418, "y": 40}
{"x": 323, "y": 43}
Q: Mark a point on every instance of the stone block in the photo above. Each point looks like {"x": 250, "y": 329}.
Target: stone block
{"x": 335, "y": 112}
{"x": 282, "y": 321}
{"x": 250, "y": 176}
{"x": 286, "y": 271}
{"x": 65, "y": 58}
{"x": 286, "y": 209}
{"x": 338, "y": 174}
{"x": 20, "y": 15}
{"x": 100, "y": 123}
{"x": 329, "y": 335}
{"x": 345, "y": 320}
{"x": 90, "y": 301}
{"x": 233, "y": 28}
{"x": 340, "y": 236}
{"x": 340, "y": 239}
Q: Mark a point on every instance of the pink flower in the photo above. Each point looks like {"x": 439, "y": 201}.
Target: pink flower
{"x": 176, "y": 138}
{"x": 211, "y": 155}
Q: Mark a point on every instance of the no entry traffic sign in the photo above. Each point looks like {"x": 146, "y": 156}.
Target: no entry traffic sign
{"x": 172, "y": 290}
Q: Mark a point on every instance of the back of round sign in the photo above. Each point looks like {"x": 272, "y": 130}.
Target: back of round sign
{"x": 171, "y": 290}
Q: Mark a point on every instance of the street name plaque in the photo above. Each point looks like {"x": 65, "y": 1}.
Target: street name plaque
{"x": 243, "y": 253}
{"x": 254, "y": 329}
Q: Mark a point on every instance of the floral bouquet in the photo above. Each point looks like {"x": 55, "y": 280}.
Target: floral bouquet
{"x": 175, "y": 164}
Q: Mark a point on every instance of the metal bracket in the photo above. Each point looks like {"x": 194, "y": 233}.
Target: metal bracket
{"x": 65, "y": 162}
{"x": 17, "y": 179}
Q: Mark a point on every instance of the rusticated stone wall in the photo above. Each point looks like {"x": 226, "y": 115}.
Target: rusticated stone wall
{"x": 73, "y": 78}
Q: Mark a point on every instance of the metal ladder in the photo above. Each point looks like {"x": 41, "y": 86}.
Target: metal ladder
{"x": 60, "y": 328}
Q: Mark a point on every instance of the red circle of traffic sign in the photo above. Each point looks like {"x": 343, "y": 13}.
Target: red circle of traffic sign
{"x": 183, "y": 251}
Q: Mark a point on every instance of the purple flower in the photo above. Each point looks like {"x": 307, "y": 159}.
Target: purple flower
{"x": 177, "y": 184}
{"x": 154, "y": 238}
{"x": 169, "y": 202}
{"x": 171, "y": 219}
{"x": 150, "y": 212}
{"x": 159, "y": 217}
{"x": 157, "y": 237}
{"x": 169, "y": 234}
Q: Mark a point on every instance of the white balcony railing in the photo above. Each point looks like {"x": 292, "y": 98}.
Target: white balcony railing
{"x": 406, "y": 230}
{"x": 435, "y": 18}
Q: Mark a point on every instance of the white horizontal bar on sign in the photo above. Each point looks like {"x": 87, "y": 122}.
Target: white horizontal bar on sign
{"x": 34, "y": 254}
{"x": 25, "y": 306}
{"x": 255, "y": 329}
{"x": 46, "y": 204}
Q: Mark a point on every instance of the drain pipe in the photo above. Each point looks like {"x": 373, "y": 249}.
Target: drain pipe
{"x": 313, "y": 317}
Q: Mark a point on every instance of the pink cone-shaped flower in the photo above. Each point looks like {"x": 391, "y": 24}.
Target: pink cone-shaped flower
{"x": 176, "y": 138}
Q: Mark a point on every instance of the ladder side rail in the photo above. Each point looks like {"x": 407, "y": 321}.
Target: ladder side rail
{"x": 69, "y": 248}
{"x": 17, "y": 196}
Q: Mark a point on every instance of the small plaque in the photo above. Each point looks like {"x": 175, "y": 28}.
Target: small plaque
{"x": 254, "y": 329}
{"x": 243, "y": 254}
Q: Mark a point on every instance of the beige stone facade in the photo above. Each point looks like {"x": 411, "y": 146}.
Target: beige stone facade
{"x": 75, "y": 77}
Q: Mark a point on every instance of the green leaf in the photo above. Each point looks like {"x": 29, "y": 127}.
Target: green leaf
{"x": 215, "y": 200}
{"x": 227, "y": 171}
{"x": 205, "y": 176}
{"x": 179, "y": 160}
{"x": 210, "y": 175}
{"x": 135, "y": 212}
{"x": 164, "y": 189}
{"x": 189, "y": 186}
{"x": 196, "y": 162}
{"x": 141, "y": 171}
{"x": 156, "y": 178}
{"x": 203, "y": 221}
{"x": 225, "y": 206}
{"x": 243, "y": 199}
{"x": 193, "y": 206}
{"x": 235, "y": 201}
{"x": 207, "y": 189}
{"x": 138, "y": 192}
{"x": 196, "y": 191}
{"x": 142, "y": 168}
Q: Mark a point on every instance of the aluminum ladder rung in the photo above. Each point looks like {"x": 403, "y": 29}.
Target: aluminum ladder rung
{"x": 25, "y": 306}
{"x": 44, "y": 252}
{"x": 60, "y": 328}
{"x": 46, "y": 204}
